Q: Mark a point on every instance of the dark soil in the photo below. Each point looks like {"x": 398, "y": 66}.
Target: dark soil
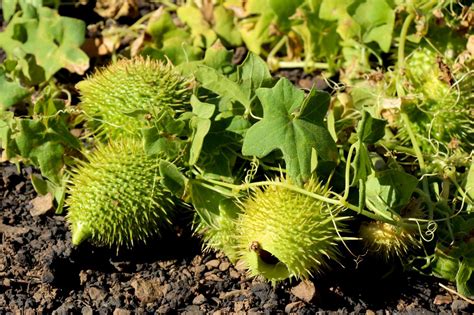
{"x": 41, "y": 272}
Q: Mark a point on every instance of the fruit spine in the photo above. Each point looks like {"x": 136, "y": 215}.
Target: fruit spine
{"x": 116, "y": 197}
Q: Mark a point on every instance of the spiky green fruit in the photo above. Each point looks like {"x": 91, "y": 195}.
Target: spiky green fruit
{"x": 440, "y": 112}
{"x": 220, "y": 234}
{"x": 130, "y": 94}
{"x": 116, "y": 197}
{"x": 386, "y": 240}
{"x": 286, "y": 234}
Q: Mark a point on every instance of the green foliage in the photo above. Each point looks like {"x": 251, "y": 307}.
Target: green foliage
{"x": 38, "y": 35}
{"x": 293, "y": 124}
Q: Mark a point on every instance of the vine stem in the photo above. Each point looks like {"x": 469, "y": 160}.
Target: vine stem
{"x": 302, "y": 64}
{"x": 402, "y": 40}
{"x": 406, "y": 120}
{"x": 375, "y": 215}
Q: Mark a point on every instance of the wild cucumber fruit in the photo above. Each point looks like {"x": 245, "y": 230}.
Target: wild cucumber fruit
{"x": 386, "y": 240}
{"x": 286, "y": 234}
{"x": 438, "y": 112}
{"x": 116, "y": 197}
{"x": 130, "y": 94}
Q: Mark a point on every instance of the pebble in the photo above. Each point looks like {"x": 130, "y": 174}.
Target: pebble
{"x": 224, "y": 266}
{"x": 292, "y": 307}
{"x": 232, "y": 294}
{"x": 200, "y": 299}
{"x": 148, "y": 291}
{"x": 459, "y": 306}
{"x": 211, "y": 264}
{"x": 96, "y": 294}
{"x": 87, "y": 310}
{"x": 121, "y": 311}
{"x": 234, "y": 274}
{"x": 305, "y": 291}
{"x": 164, "y": 309}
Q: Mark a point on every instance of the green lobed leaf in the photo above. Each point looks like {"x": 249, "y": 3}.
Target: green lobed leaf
{"x": 206, "y": 201}
{"x": 445, "y": 266}
{"x": 54, "y": 41}
{"x": 49, "y": 158}
{"x": 292, "y": 124}
{"x": 212, "y": 80}
{"x": 172, "y": 178}
{"x": 284, "y": 10}
{"x": 11, "y": 91}
{"x": 253, "y": 73}
{"x": 8, "y": 8}
{"x": 376, "y": 19}
{"x": 370, "y": 129}
{"x": 465, "y": 278}
{"x": 390, "y": 189}
{"x": 224, "y": 26}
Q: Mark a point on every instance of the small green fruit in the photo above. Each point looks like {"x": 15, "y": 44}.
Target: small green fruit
{"x": 387, "y": 240}
{"x": 439, "y": 112}
{"x": 116, "y": 197}
{"x": 285, "y": 234}
{"x": 130, "y": 94}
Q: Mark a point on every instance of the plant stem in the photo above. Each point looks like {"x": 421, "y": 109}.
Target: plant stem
{"x": 402, "y": 40}
{"x": 404, "y": 116}
{"x": 397, "y": 147}
{"x": 302, "y": 64}
{"x": 375, "y": 215}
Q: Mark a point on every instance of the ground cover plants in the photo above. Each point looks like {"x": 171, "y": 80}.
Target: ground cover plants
{"x": 284, "y": 180}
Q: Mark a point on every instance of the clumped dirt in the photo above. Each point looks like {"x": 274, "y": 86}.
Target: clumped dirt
{"x": 41, "y": 272}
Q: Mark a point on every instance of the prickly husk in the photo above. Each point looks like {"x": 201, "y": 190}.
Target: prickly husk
{"x": 286, "y": 234}
{"x": 131, "y": 94}
{"x": 116, "y": 197}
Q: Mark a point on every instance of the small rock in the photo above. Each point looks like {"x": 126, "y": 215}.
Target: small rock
{"x": 96, "y": 294}
{"x": 87, "y": 310}
{"x": 459, "y": 306}
{"x": 193, "y": 310}
{"x": 369, "y": 312}
{"x": 164, "y": 309}
{"x": 121, "y": 311}
{"x": 83, "y": 277}
{"x": 148, "y": 291}
{"x": 293, "y": 307}
{"x": 19, "y": 186}
{"x": 211, "y": 264}
{"x": 224, "y": 266}
{"x": 41, "y": 204}
{"x": 212, "y": 277}
{"x": 442, "y": 299}
{"x": 305, "y": 291}
{"x": 197, "y": 260}
{"x": 232, "y": 294}
{"x": 47, "y": 276}
{"x": 200, "y": 299}
{"x": 234, "y": 274}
